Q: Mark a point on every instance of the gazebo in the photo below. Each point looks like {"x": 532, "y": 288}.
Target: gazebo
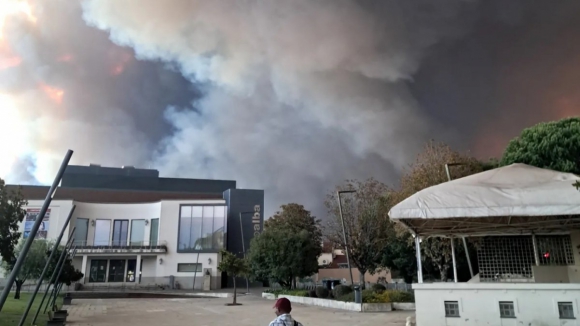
{"x": 528, "y": 219}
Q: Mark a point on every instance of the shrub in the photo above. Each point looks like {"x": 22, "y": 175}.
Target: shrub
{"x": 369, "y": 296}
{"x": 297, "y": 293}
{"x": 378, "y": 288}
{"x": 322, "y": 292}
{"x": 312, "y": 293}
{"x": 341, "y": 290}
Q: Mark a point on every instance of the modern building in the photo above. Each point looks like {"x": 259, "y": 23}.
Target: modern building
{"x": 133, "y": 227}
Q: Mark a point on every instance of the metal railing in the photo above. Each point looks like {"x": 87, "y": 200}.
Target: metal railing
{"x": 115, "y": 244}
{"x": 313, "y": 285}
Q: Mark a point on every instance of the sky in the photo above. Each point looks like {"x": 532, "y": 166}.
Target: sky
{"x": 292, "y": 97}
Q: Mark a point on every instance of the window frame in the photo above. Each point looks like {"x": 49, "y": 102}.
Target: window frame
{"x": 199, "y": 268}
{"x": 511, "y": 309}
{"x": 445, "y": 303}
{"x": 212, "y": 250}
{"x": 565, "y": 303}
{"x": 117, "y": 274}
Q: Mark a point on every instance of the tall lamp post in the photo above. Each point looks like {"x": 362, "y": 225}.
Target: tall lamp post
{"x": 344, "y": 230}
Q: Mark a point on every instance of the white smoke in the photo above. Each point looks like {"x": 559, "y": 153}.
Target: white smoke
{"x": 298, "y": 95}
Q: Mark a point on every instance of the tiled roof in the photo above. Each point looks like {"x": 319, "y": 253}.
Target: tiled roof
{"x": 109, "y": 196}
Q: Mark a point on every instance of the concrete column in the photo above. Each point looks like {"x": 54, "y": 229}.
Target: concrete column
{"x": 84, "y": 269}
{"x": 138, "y": 270}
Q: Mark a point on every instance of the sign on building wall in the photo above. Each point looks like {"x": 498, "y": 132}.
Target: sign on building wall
{"x": 256, "y": 220}
{"x": 31, "y": 215}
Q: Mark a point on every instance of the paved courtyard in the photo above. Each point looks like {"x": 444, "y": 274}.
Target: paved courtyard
{"x": 206, "y": 312}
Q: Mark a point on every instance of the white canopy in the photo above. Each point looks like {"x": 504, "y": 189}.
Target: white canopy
{"x": 509, "y": 199}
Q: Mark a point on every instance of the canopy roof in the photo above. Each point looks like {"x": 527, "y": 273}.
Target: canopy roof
{"x": 515, "y": 199}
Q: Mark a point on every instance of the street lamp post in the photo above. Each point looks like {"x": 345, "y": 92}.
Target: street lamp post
{"x": 344, "y": 231}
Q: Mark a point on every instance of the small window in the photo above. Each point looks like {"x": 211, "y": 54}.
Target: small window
{"x": 566, "y": 310}
{"x": 189, "y": 268}
{"x": 342, "y": 265}
{"x": 451, "y": 309}
{"x": 506, "y": 309}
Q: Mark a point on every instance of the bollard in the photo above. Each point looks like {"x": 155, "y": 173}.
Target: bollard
{"x": 357, "y": 294}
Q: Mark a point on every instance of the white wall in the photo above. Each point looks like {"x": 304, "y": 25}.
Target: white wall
{"x": 535, "y": 304}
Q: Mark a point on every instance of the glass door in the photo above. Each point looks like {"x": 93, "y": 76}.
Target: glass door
{"x": 120, "y": 232}
{"x": 102, "y": 232}
{"x": 137, "y": 232}
{"x": 154, "y": 232}
{"x": 81, "y": 231}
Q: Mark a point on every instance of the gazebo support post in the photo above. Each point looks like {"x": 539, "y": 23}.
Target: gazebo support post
{"x": 453, "y": 257}
{"x": 468, "y": 258}
{"x": 535, "y": 245}
{"x": 418, "y": 254}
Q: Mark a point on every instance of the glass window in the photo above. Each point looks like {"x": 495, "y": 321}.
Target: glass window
{"x": 102, "y": 232}
{"x": 81, "y": 231}
{"x": 131, "y": 270}
{"x": 185, "y": 211}
{"x": 219, "y": 227}
{"x": 116, "y": 270}
{"x": 189, "y": 268}
{"x": 98, "y": 271}
{"x": 137, "y": 232}
{"x": 452, "y": 309}
{"x": 120, "y": 232}
{"x": 566, "y": 310}
{"x": 154, "y": 232}
{"x": 204, "y": 230}
{"x": 506, "y": 309}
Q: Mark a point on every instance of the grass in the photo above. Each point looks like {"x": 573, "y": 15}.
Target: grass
{"x": 13, "y": 310}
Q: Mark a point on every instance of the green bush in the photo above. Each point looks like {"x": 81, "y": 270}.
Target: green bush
{"x": 378, "y": 287}
{"x": 297, "y": 293}
{"x": 322, "y": 292}
{"x": 370, "y": 296}
{"x": 341, "y": 290}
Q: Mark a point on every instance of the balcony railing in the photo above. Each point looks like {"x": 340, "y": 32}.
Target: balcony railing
{"x": 116, "y": 246}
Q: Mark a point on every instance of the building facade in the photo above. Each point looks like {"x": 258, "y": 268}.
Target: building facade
{"x": 130, "y": 226}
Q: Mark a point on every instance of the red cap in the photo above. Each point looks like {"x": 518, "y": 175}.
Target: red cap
{"x": 283, "y": 304}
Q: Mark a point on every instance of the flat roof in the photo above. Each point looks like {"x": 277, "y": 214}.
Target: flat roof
{"x": 103, "y": 196}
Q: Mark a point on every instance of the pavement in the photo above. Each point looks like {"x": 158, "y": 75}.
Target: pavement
{"x": 213, "y": 311}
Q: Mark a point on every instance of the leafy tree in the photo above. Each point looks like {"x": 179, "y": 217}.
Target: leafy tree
{"x": 552, "y": 145}
{"x": 11, "y": 214}
{"x": 295, "y": 218}
{"x": 69, "y": 273}
{"x": 282, "y": 256}
{"x": 234, "y": 267}
{"x": 366, "y": 223}
{"x": 33, "y": 264}
{"x": 429, "y": 170}
{"x": 399, "y": 255}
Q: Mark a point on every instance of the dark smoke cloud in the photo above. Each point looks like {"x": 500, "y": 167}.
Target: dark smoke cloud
{"x": 289, "y": 96}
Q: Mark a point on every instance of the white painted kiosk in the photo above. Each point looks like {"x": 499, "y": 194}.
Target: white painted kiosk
{"x": 529, "y": 256}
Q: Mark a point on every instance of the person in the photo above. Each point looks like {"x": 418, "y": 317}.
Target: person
{"x": 283, "y": 309}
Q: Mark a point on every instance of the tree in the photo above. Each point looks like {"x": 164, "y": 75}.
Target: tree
{"x": 553, "y": 145}
{"x": 11, "y": 214}
{"x": 33, "y": 264}
{"x": 366, "y": 223}
{"x": 281, "y": 256}
{"x": 429, "y": 170}
{"x": 399, "y": 255}
{"x": 295, "y": 218}
{"x": 234, "y": 267}
{"x": 69, "y": 273}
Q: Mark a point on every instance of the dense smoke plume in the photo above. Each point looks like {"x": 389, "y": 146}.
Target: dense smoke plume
{"x": 288, "y": 96}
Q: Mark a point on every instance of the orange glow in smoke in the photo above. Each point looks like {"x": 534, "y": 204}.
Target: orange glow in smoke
{"x": 9, "y": 62}
{"x": 119, "y": 68}
{"x": 14, "y": 7}
{"x": 53, "y": 93}
{"x": 65, "y": 58}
